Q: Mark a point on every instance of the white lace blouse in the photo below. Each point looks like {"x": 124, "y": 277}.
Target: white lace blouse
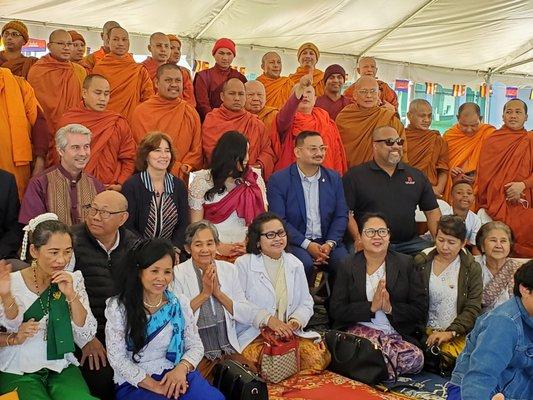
{"x": 152, "y": 358}
{"x": 443, "y": 296}
{"x": 30, "y": 356}
{"x": 233, "y": 229}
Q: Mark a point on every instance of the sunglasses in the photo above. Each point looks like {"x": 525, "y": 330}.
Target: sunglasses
{"x": 390, "y": 142}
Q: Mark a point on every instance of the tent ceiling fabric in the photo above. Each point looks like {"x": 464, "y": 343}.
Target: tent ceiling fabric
{"x": 466, "y": 34}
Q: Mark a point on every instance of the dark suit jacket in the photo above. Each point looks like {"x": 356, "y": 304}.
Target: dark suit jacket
{"x": 349, "y": 304}
{"x": 10, "y": 229}
{"x": 286, "y": 198}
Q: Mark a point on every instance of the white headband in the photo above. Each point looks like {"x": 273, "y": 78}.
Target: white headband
{"x": 32, "y": 224}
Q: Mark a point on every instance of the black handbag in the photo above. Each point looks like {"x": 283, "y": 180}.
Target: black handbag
{"x": 356, "y": 358}
{"x": 438, "y": 361}
{"x": 237, "y": 382}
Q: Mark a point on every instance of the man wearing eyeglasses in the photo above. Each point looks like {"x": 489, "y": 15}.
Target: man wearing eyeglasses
{"x": 100, "y": 246}
{"x": 57, "y": 83}
{"x": 388, "y": 185}
{"x": 357, "y": 121}
{"x": 310, "y": 199}
{"x": 14, "y": 36}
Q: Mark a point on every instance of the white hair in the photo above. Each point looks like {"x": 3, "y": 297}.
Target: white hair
{"x": 61, "y": 134}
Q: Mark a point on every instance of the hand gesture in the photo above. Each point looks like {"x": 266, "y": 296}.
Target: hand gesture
{"x": 514, "y": 190}
{"x": 65, "y": 284}
{"x": 437, "y": 191}
{"x": 386, "y": 305}
{"x": 377, "y": 300}
{"x": 5, "y": 279}
{"x": 26, "y": 330}
{"x": 208, "y": 280}
{"x": 174, "y": 382}
{"x": 279, "y": 327}
{"x": 438, "y": 338}
{"x": 95, "y": 352}
{"x": 456, "y": 171}
{"x": 317, "y": 253}
{"x": 387, "y": 105}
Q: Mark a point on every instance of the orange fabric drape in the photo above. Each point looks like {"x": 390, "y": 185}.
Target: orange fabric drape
{"x": 356, "y": 125}
{"x": 90, "y": 60}
{"x": 151, "y": 66}
{"x": 320, "y": 122}
{"x": 428, "y": 152}
{"x": 18, "y": 66}
{"x": 386, "y": 93}
{"x": 268, "y": 115}
{"x": 464, "y": 150}
{"x": 180, "y": 121}
{"x": 188, "y": 88}
{"x": 318, "y": 79}
{"x": 130, "y": 83}
{"x": 113, "y": 149}
{"x": 221, "y": 120}
{"x": 277, "y": 90}
{"x": 507, "y": 156}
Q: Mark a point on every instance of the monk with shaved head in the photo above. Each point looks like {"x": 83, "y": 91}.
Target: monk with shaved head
{"x": 366, "y": 66}
{"x": 428, "y": 151}
{"x": 92, "y": 59}
{"x": 505, "y": 176}
{"x": 130, "y": 82}
{"x": 57, "y": 83}
{"x": 14, "y": 36}
{"x": 357, "y": 121}
{"x": 308, "y": 56}
{"x": 255, "y": 103}
{"x": 159, "y": 49}
{"x": 113, "y": 148}
{"x": 278, "y": 88}
{"x": 168, "y": 112}
{"x": 232, "y": 116}
{"x": 175, "y": 56}
{"x": 464, "y": 145}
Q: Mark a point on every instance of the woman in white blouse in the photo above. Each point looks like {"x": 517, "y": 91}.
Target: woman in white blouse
{"x": 44, "y": 366}
{"x": 275, "y": 282}
{"x": 495, "y": 241}
{"x": 230, "y": 194}
{"x": 454, "y": 285}
{"x": 151, "y": 337}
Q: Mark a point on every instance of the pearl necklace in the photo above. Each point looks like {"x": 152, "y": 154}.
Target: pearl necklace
{"x": 155, "y": 305}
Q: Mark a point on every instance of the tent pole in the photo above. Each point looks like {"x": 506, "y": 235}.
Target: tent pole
{"x": 488, "y": 79}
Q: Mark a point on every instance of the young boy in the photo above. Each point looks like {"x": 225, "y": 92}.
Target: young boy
{"x": 462, "y": 199}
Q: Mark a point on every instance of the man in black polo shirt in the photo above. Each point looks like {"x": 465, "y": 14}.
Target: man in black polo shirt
{"x": 387, "y": 185}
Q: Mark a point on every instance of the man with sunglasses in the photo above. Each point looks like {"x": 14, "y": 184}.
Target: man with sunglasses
{"x": 14, "y": 36}
{"x": 394, "y": 188}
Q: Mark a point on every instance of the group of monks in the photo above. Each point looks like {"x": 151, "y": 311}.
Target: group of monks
{"x": 120, "y": 101}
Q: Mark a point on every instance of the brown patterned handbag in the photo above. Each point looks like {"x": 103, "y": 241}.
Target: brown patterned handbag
{"x": 279, "y": 358}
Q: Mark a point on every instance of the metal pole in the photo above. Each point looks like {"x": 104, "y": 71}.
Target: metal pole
{"x": 486, "y": 115}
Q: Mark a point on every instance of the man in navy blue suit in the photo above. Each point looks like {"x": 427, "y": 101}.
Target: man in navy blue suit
{"x": 310, "y": 199}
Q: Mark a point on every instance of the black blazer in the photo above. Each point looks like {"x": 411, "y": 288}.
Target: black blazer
{"x": 139, "y": 199}
{"x": 10, "y": 229}
{"x": 349, "y": 304}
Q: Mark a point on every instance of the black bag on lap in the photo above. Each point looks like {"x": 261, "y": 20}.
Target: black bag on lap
{"x": 356, "y": 358}
{"x": 236, "y": 382}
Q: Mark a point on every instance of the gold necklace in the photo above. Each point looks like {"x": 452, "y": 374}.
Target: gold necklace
{"x": 155, "y": 305}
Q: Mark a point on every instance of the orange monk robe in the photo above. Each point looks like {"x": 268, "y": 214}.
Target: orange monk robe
{"x": 386, "y": 93}
{"x": 464, "y": 150}
{"x": 18, "y": 112}
{"x": 179, "y": 120}
{"x": 113, "y": 149}
{"x": 57, "y": 87}
{"x": 268, "y": 115}
{"x": 356, "y": 125}
{"x": 221, "y": 120}
{"x": 151, "y": 66}
{"x": 428, "y": 152}
{"x": 188, "y": 88}
{"x": 90, "y": 60}
{"x": 18, "y": 66}
{"x": 318, "y": 121}
{"x": 277, "y": 90}
{"x": 130, "y": 83}
{"x": 507, "y": 156}
{"x": 318, "y": 79}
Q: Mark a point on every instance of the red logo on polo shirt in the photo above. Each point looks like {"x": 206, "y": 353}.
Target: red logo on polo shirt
{"x": 409, "y": 181}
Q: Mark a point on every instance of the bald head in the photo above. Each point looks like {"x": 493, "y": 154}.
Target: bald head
{"x": 271, "y": 64}
{"x": 469, "y": 118}
{"x": 420, "y": 114}
{"x": 118, "y": 41}
{"x": 159, "y": 47}
{"x": 366, "y": 66}
{"x": 366, "y": 92}
{"x": 255, "y": 96}
{"x": 95, "y": 92}
{"x": 385, "y": 155}
{"x": 233, "y": 95}
{"x": 515, "y": 114}
{"x": 114, "y": 206}
{"x": 60, "y": 45}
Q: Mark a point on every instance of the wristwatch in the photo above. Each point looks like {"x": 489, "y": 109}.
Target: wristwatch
{"x": 331, "y": 243}
{"x": 454, "y": 334}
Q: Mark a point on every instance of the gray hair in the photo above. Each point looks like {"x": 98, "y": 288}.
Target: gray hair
{"x": 61, "y": 134}
{"x": 197, "y": 226}
{"x": 489, "y": 226}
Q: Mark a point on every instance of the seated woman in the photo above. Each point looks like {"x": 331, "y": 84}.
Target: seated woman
{"x": 379, "y": 295}
{"x": 275, "y": 282}
{"x": 495, "y": 241}
{"x": 157, "y": 200}
{"x": 215, "y": 294}
{"x": 497, "y": 360}
{"x": 453, "y": 280}
{"x": 44, "y": 366}
{"x": 230, "y": 194}
{"x": 151, "y": 338}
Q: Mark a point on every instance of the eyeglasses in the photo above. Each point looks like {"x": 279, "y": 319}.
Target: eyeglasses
{"x": 315, "y": 149}
{"x": 104, "y": 214}
{"x": 366, "y": 92}
{"x": 371, "y": 232}
{"x": 390, "y": 142}
{"x": 272, "y": 234}
{"x": 7, "y": 34}
{"x": 63, "y": 44}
